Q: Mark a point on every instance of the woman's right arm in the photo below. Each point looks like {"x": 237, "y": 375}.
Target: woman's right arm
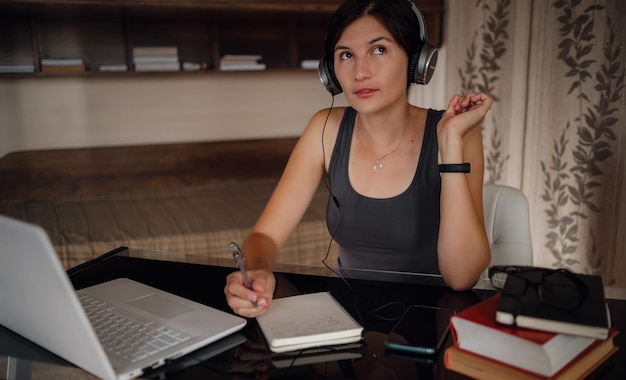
{"x": 288, "y": 203}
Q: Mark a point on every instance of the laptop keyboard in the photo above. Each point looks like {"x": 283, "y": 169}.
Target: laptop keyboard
{"x": 125, "y": 337}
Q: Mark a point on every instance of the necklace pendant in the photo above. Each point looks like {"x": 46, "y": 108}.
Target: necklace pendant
{"x": 378, "y": 165}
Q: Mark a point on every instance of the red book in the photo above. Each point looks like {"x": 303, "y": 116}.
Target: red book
{"x": 475, "y": 330}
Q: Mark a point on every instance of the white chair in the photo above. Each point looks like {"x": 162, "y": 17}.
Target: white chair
{"x": 507, "y": 221}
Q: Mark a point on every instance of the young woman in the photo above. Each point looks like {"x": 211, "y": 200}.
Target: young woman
{"x": 392, "y": 204}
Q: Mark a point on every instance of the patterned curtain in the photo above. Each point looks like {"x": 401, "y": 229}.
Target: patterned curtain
{"x": 556, "y": 70}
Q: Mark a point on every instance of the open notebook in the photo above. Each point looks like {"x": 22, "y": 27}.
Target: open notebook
{"x": 39, "y": 303}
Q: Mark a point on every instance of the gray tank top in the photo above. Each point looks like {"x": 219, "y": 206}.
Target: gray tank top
{"x": 398, "y": 233}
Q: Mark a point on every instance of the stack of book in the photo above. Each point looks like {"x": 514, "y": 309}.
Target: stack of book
{"x": 487, "y": 349}
{"x": 62, "y": 65}
{"x": 156, "y": 58}
{"x": 233, "y": 62}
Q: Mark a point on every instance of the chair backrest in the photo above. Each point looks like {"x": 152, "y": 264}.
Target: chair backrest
{"x": 507, "y": 221}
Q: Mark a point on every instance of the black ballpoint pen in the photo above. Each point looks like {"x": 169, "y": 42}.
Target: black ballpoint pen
{"x": 239, "y": 260}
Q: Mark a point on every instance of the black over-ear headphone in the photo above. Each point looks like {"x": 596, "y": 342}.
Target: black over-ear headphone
{"x": 421, "y": 64}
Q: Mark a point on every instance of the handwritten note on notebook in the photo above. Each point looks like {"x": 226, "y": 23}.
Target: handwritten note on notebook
{"x": 307, "y": 320}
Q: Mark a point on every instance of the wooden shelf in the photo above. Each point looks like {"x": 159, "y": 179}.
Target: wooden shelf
{"x": 326, "y": 6}
{"x": 104, "y": 32}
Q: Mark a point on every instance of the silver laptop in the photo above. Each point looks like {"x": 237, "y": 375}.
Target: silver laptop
{"x": 143, "y": 326}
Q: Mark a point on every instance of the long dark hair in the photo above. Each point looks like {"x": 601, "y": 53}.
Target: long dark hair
{"x": 396, "y": 15}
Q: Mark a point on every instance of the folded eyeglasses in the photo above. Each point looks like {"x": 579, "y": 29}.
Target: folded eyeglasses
{"x": 558, "y": 288}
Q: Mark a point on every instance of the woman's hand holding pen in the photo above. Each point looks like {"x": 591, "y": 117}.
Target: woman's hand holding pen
{"x": 241, "y": 299}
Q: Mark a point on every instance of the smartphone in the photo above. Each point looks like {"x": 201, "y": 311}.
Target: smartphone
{"x": 422, "y": 330}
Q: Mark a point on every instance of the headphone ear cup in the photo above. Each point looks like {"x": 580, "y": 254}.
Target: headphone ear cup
{"x": 326, "y": 71}
{"x": 422, "y": 64}
{"x": 425, "y": 63}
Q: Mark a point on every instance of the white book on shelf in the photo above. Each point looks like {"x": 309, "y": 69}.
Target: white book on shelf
{"x": 241, "y": 62}
{"x": 113, "y": 68}
{"x": 192, "y": 66}
{"x": 155, "y": 58}
{"x": 62, "y": 61}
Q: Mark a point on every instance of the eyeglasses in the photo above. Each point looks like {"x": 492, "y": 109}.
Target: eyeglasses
{"x": 558, "y": 288}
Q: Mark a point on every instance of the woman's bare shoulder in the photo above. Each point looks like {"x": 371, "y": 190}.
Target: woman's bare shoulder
{"x": 329, "y": 116}
{"x": 325, "y": 121}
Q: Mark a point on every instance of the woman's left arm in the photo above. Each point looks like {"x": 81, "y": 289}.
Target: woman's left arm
{"x": 463, "y": 248}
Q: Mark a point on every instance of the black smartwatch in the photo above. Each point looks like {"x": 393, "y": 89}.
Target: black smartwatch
{"x": 455, "y": 168}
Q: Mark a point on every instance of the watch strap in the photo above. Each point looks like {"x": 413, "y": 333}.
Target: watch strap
{"x": 455, "y": 168}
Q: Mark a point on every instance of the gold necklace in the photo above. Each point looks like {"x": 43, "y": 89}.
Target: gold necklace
{"x": 378, "y": 163}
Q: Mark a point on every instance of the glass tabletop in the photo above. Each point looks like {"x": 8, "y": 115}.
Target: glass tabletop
{"x": 376, "y": 299}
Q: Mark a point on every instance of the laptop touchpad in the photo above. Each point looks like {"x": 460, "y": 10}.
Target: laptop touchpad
{"x": 161, "y": 306}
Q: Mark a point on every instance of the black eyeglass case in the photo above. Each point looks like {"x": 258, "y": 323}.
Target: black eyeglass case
{"x": 589, "y": 318}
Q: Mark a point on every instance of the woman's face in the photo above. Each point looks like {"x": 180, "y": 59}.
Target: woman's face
{"x": 370, "y": 66}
